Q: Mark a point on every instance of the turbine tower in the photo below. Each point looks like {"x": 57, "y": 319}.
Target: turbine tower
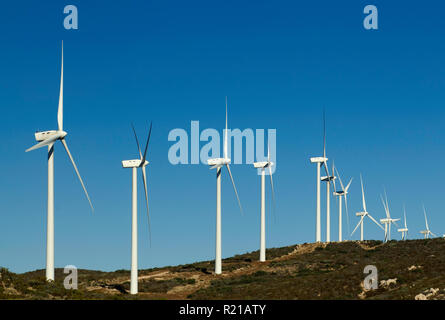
{"x": 49, "y": 138}
{"x": 388, "y": 220}
{"x": 134, "y": 165}
{"x": 320, "y": 161}
{"x": 364, "y": 214}
{"x": 426, "y": 232}
{"x": 328, "y": 179}
{"x": 263, "y": 165}
{"x": 218, "y": 163}
{"x": 341, "y": 193}
{"x": 404, "y": 230}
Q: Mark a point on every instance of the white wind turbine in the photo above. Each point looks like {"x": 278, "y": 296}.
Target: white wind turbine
{"x": 134, "y": 164}
{"x": 48, "y": 138}
{"x": 263, "y": 165}
{"x": 426, "y": 232}
{"x": 388, "y": 220}
{"x": 341, "y": 193}
{"x": 404, "y": 230}
{"x": 322, "y": 161}
{"x": 364, "y": 214}
{"x": 218, "y": 163}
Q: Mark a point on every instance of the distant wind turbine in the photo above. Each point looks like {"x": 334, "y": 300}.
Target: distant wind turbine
{"x": 218, "y": 163}
{"x": 426, "y": 232}
{"x": 263, "y": 165}
{"x": 49, "y": 138}
{"x": 388, "y": 220}
{"x": 341, "y": 193}
{"x": 364, "y": 214}
{"x": 321, "y": 161}
{"x": 134, "y": 165}
{"x": 404, "y": 230}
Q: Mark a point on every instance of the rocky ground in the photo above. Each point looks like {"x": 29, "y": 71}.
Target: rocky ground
{"x": 413, "y": 269}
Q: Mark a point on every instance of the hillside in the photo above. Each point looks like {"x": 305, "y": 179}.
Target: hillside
{"x": 307, "y": 271}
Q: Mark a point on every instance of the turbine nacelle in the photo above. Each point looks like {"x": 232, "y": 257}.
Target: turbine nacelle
{"x": 136, "y": 163}
{"x": 44, "y": 135}
{"x": 218, "y": 162}
{"x": 263, "y": 164}
{"x": 402, "y": 230}
{"x": 326, "y": 178}
{"x": 388, "y": 220}
{"x": 360, "y": 214}
{"x": 319, "y": 159}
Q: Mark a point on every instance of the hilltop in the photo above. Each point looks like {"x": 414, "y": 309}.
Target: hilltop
{"x": 406, "y": 269}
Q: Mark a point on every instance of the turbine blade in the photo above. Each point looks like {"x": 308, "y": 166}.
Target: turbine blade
{"x": 77, "y": 171}
{"x": 426, "y": 221}
{"x": 325, "y": 165}
{"x": 43, "y": 143}
{"x": 60, "y": 109}
{"x": 144, "y": 179}
{"x": 345, "y": 194}
{"x": 387, "y": 205}
{"x": 347, "y": 211}
{"x": 339, "y": 177}
{"x": 324, "y": 133}
{"x": 363, "y": 194}
{"x": 234, "y": 188}
{"x": 146, "y": 145}
{"x": 349, "y": 184}
{"x": 358, "y": 224}
{"x": 272, "y": 189}
{"x": 404, "y": 214}
{"x": 225, "y": 135}
{"x": 333, "y": 174}
{"x": 375, "y": 221}
{"x": 137, "y": 141}
{"x": 384, "y": 206}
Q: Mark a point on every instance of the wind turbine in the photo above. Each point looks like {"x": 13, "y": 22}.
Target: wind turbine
{"x": 218, "y": 163}
{"x": 388, "y": 220}
{"x": 49, "y": 138}
{"x": 135, "y": 164}
{"x": 321, "y": 161}
{"x": 364, "y": 214}
{"x": 263, "y": 165}
{"x": 341, "y": 193}
{"x": 404, "y": 230}
{"x": 426, "y": 232}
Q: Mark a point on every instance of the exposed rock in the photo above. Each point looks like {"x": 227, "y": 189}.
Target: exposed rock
{"x": 420, "y": 296}
{"x": 413, "y": 267}
{"x": 387, "y": 283}
{"x": 427, "y": 294}
{"x": 11, "y": 291}
{"x": 362, "y": 295}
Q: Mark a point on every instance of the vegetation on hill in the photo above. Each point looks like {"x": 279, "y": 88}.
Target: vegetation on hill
{"x": 413, "y": 269}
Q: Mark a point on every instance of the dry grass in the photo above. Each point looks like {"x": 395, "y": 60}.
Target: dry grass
{"x": 307, "y": 271}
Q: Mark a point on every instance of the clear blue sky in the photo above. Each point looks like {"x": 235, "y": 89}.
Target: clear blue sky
{"x": 279, "y": 62}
